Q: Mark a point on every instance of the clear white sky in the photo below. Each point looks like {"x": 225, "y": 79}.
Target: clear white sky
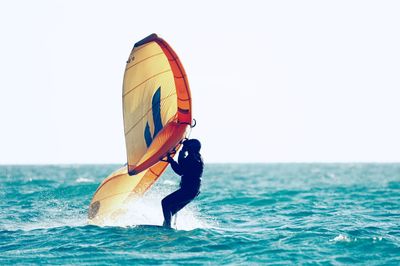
{"x": 272, "y": 81}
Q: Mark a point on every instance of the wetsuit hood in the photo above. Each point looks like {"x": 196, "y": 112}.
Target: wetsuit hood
{"x": 192, "y": 145}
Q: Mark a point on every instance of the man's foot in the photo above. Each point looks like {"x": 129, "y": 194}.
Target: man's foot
{"x": 166, "y": 224}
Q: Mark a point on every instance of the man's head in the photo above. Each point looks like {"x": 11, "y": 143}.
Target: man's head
{"x": 192, "y": 145}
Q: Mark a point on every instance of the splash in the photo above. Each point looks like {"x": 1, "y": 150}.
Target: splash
{"x": 341, "y": 238}
{"x": 148, "y": 211}
{"x": 84, "y": 180}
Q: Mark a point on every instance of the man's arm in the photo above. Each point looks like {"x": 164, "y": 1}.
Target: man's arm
{"x": 175, "y": 166}
{"x": 181, "y": 156}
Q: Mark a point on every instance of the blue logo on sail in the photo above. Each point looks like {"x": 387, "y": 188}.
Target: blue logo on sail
{"x": 156, "y": 109}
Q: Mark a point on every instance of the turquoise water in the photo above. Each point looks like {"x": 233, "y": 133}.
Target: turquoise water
{"x": 320, "y": 214}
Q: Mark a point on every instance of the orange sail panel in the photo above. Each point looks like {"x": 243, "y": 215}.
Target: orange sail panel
{"x": 157, "y": 113}
{"x": 156, "y": 103}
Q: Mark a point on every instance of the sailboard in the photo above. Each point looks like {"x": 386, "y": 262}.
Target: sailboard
{"x": 157, "y": 113}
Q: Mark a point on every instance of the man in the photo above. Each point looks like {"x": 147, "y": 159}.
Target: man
{"x": 190, "y": 167}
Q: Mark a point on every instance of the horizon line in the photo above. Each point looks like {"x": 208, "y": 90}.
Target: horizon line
{"x": 256, "y": 162}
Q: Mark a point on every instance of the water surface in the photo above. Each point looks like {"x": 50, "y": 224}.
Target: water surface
{"x": 326, "y": 214}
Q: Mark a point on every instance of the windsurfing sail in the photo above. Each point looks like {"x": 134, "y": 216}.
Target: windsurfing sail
{"x": 157, "y": 103}
{"x": 157, "y": 113}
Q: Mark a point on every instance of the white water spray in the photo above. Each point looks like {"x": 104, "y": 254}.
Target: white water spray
{"x": 147, "y": 210}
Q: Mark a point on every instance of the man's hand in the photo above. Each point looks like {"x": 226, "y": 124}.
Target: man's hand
{"x": 169, "y": 158}
{"x": 184, "y": 147}
{"x": 182, "y": 152}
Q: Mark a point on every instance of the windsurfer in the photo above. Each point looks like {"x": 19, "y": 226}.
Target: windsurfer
{"x": 190, "y": 167}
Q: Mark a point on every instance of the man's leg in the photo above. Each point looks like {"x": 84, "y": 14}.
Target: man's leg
{"x": 167, "y": 205}
{"x": 173, "y": 203}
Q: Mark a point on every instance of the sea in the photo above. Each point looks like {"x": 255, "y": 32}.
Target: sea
{"x": 246, "y": 214}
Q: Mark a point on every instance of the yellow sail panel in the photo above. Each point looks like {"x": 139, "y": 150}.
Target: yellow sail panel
{"x": 119, "y": 188}
{"x": 148, "y": 83}
{"x": 156, "y": 103}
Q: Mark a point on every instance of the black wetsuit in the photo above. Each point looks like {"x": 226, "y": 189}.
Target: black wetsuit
{"x": 190, "y": 168}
